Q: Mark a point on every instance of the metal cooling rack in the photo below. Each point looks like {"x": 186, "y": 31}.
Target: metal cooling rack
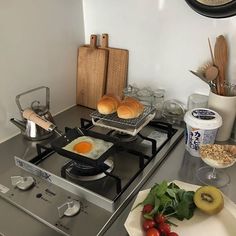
{"x": 129, "y": 126}
{"x": 126, "y": 122}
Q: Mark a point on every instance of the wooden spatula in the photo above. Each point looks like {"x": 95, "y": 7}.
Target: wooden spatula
{"x": 221, "y": 61}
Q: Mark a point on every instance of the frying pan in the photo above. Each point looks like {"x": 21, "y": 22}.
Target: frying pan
{"x": 60, "y": 142}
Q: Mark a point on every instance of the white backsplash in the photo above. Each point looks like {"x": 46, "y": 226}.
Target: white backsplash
{"x": 165, "y": 39}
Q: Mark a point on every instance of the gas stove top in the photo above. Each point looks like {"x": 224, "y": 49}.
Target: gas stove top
{"x": 66, "y": 194}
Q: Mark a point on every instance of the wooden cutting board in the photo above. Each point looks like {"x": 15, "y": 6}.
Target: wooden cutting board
{"x": 91, "y": 74}
{"x": 117, "y": 71}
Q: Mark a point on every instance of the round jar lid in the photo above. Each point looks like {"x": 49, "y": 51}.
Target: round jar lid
{"x": 203, "y": 118}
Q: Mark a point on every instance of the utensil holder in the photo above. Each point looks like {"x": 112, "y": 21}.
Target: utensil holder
{"x": 226, "y": 107}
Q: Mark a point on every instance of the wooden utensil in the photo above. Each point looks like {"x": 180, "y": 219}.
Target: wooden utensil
{"x": 91, "y": 78}
{"x": 209, "y": 71}
{"x": 211, "y": 51}
{"x": 117, "y": 71}
{"x": 221, "y": 61}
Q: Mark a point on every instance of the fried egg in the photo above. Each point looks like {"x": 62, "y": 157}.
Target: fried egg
{"x": 88, "y": 146}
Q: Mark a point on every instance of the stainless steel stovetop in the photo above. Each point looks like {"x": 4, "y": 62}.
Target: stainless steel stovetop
{"x": 68, "y": 205}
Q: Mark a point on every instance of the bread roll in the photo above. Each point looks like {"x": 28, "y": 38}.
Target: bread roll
{"x": 108, "y": 104}
{"x": 130, "y": 108}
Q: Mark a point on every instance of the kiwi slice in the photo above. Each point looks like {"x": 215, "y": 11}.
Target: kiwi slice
{"x": 209, "y": 199}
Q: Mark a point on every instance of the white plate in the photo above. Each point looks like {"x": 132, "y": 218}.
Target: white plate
{"x": 222, "y": 224}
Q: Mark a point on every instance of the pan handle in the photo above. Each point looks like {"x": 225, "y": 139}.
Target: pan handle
{"x": 32, "y": 116}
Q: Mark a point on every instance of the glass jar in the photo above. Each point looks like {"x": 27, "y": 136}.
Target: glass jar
{"x": 173, "y": 111}
{"x": 197, "y": 101}
{"x": 130, "y": 91}
{"x": 158, "y": 101}
{"x": 145, "y": 96}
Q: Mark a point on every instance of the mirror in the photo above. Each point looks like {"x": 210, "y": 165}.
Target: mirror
{"x": 214, "y": 8}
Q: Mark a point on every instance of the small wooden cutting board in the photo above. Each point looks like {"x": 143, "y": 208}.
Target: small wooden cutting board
{"x": 117, "y": 71}
{"x": 92, "y": 73}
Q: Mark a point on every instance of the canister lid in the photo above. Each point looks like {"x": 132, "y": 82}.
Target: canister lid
{"x": 203, "y": 118}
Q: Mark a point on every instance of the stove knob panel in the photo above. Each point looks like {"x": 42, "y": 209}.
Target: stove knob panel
{"x": 23, "y": 183}
{"x": 70, "y": 208}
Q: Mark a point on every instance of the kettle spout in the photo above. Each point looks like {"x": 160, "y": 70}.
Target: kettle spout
{"x": 20, "y": 124}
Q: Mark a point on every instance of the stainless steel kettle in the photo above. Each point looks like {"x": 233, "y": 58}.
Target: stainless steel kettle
{"x": 28, "y": 128}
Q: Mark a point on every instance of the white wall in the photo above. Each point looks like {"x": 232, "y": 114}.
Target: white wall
{"x": 165, "y": 38}
{"x": 38, "y": 46}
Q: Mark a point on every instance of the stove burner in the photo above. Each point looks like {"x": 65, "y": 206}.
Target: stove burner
{"x": 83, "y": 172}
{"x": 123, "y": 137}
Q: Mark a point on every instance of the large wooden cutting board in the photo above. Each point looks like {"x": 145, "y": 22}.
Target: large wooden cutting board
{"x": 91, "y": 76}
{"x": 117, "y": 71}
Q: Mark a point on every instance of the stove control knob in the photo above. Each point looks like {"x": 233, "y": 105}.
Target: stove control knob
{"x": 70, "y": 208}
{"x": 23, "y": 183}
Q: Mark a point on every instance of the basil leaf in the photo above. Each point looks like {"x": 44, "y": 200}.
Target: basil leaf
{"x": 180, "y": 194}
{"x": 165, "y": 200}
{"x": 170, "y": 200}
{"x": 171, "y": 193}
{"x": 182, "y": 210}
{"x": 156, "y": 206}
{"x": 161, "y": 189}
{"x": 188, "y": 196}
{"x": 185, "y": 210}
{"x": 173, "y": 186}
{"x": 150, "y": 199}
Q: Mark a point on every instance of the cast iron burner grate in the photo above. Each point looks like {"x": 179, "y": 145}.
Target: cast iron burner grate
{"x": 78, "y": 171}
{"x": 122, "y": 136}
{"x": 104, "y": 169}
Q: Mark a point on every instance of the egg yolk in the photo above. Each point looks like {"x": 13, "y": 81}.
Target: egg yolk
{"x": 83, "y": 147}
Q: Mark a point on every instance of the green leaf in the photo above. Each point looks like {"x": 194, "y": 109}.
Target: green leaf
{"x": 169, "y": 210}
{"x": 160, "y": 189}
{"x": 173, "y": 186}
{"x": 180, "y": 194}
{"x": 182, "y": 210}
{"x": 171, "y": 193}
{"x": 156, "y": 206}
{"x": 148, "y": 216}
{"x": 165, "y": 200}
{"x": 188, "y": 196}
{"x": 150, "y": 199}
{"x": 170, "y": 200}
{"x": 185, "y": 209}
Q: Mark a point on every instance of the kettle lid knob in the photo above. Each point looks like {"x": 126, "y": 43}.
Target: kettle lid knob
{"x": 38, "y": 109}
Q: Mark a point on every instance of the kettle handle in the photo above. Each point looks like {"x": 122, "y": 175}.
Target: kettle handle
{"x": 32, "y": 116}
{"x": 32, "y": 90}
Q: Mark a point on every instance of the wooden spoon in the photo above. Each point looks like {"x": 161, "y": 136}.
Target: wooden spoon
{"x": 211, "y": 73}
{"x": 221, "y": 61}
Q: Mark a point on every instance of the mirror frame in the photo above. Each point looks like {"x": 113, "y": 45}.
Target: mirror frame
{"x": 218, "y": 11}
